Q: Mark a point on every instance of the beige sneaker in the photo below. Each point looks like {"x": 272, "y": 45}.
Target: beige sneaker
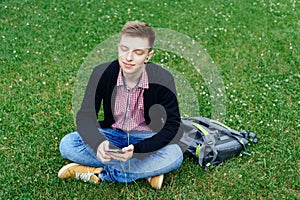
{"x": 156, "y": 181}
{"x": 80, "y": 172}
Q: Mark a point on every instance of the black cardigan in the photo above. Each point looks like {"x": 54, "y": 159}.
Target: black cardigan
{"x": 161, "y": 110}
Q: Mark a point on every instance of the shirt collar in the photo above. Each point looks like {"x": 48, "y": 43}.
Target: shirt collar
{"x": 143, "y": 82}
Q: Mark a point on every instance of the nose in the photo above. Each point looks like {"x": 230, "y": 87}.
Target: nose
{"x": 129, "y": 55}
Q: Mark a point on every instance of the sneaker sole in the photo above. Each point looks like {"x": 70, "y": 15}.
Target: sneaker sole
{"x": 66, "y": 167}
{"x": 160, "y": 182}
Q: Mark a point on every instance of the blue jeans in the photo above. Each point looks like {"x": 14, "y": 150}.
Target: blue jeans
{"x": 162, "y": 161}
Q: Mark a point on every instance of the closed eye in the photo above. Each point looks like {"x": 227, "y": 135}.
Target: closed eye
{"x": 139, "y": 51}
{"x": 124, "y": 48}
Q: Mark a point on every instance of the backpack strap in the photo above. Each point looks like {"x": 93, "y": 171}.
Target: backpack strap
{"x": 209, "y": 142}
{"x": 225, "y": 129}
{"x": 219, "y": 123}
{"x": 240, "y": 140}
{"x": 199, "y": 127}
{"x": 232, "y": 133}
{"x": 207, "y": 146}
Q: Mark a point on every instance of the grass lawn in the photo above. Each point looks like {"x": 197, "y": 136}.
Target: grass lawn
{"x": 255, "y": 45}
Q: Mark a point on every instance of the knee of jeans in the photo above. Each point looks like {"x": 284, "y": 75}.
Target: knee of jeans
{"x": 175, "y": 152}
{"x": 66, "y": 144}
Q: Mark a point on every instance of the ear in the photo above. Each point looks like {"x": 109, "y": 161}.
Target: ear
{"x": 150, "y": 54}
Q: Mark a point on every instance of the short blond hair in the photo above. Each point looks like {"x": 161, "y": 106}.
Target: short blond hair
{"x": 139, "y": 29}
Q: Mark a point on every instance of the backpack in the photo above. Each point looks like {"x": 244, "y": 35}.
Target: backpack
{"x": 212, "y": 142}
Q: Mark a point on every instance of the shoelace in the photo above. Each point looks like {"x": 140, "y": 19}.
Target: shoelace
{"x": 84, "y": 176}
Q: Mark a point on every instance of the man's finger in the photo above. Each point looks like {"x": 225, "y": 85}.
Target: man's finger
{"x": 129, "y": 148}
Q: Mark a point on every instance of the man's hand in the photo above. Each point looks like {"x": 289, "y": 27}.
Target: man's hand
{"x": 126, "y": 155}
{"x": 101, "y": 153}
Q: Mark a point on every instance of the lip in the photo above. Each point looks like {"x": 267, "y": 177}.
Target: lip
{"x": 128, "y": 65}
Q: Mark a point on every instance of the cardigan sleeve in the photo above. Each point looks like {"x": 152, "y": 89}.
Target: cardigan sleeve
{"x": 162, "y": 106}
{"x": 87, "y": 118}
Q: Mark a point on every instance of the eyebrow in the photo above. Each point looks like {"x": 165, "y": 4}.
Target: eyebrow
{"x": 142, "y": 48}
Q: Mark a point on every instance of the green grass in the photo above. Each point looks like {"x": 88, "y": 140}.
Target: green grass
{"x": 255, "y": 45}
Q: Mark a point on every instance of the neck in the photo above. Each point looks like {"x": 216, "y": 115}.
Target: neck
{"x": 132, "y": 79}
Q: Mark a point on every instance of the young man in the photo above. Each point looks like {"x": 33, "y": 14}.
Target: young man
{"x": 136, "y": 139}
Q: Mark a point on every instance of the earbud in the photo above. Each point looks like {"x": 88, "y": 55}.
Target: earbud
{"x": 147, "y": 59}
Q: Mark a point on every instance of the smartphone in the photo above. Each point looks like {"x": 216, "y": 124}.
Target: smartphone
{"x": 114, "y": 150}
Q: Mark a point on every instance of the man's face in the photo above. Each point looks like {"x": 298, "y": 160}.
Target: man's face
{"x": 133, "y": 52}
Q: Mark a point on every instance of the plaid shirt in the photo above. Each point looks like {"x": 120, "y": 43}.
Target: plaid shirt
{"x": 129, "y": 105}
